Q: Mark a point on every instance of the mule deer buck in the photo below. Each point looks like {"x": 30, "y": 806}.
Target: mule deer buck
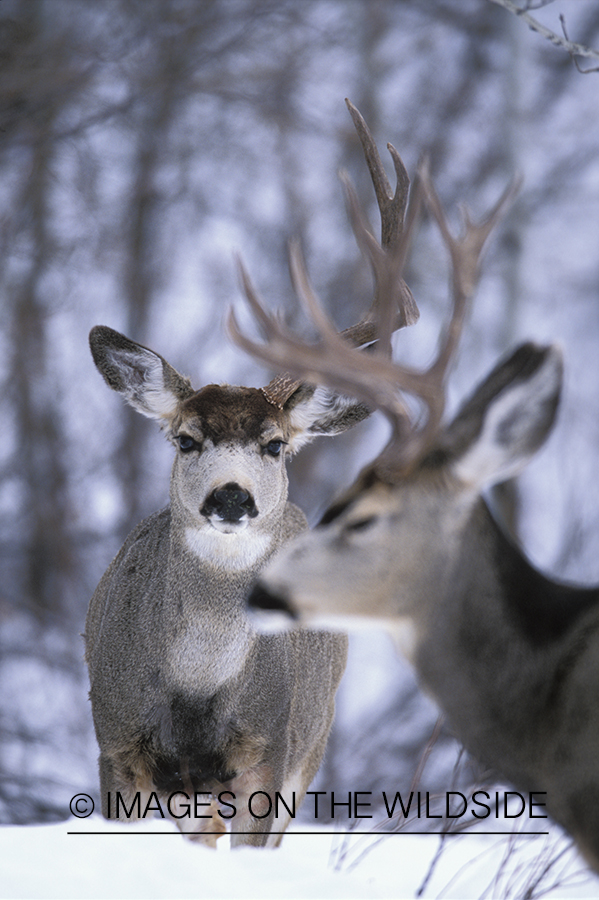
{"x": 511, "y": 656}
{"x": 186, "y": 696}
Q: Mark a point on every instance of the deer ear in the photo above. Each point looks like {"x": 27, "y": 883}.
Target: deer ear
{"x": 508, "y": 417}
{"x": 144, "y": 378}
{"x": 316, "y": 410}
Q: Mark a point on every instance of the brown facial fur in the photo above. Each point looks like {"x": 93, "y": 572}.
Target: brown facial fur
{"x": 226, "y": 413}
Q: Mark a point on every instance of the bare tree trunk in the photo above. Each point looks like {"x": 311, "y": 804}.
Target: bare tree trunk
{"x": 42, "y": 526}
{"x": 142, "y": 230}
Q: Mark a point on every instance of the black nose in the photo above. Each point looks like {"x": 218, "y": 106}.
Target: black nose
{"x": 230, "y": 503}
{"x": 262, "y": 598}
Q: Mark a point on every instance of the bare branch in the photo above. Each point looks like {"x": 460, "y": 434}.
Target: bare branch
{"x": 562, "y": 20}
{"x": 564, "y": 43}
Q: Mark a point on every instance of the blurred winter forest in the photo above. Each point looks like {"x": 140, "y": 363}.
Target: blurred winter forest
{"x": 142, "y": 142}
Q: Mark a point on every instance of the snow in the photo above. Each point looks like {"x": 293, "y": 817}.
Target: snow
{"x": 48, "y": 743}
{"x": 151, "y": 860}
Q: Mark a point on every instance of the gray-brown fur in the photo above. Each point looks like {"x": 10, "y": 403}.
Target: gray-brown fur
{"x": 511, "y": 656}
{"x": 186, "y": 696}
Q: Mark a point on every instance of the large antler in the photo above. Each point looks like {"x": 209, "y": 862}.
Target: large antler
{"x": 374, "y": 378}
{"x": 386, "y": 260}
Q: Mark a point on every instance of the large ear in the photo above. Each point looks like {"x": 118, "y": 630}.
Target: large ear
{"x": 507, "y": 419}
{"x": 144, "y": 378}
{"x": 317, "y": 410}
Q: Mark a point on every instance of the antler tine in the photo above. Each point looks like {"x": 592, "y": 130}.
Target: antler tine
{"x": 393, "y": 305}
{"x": 282, "y": 386}
{"x": 398, "y": 308}
{"x": 392, "y": 205}
{"x": 387, "y": 258}
{"x": 262, "y": 317}
{"x": 305, "y": 293}
{"x": 465, "y": 254}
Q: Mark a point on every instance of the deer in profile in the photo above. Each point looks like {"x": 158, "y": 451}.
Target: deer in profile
{"x": 511, "y": 656}
{"x": 187, "y": 698}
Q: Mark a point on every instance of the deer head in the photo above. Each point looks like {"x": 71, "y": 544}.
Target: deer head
{"x": 229, "y": 474}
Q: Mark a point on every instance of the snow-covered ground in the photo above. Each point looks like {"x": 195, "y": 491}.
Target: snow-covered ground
{"x": 151, "y": 860}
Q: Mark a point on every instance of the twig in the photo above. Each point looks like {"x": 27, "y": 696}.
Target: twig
{"x": 562, "y": 19}
{"x": 564, "y": 43}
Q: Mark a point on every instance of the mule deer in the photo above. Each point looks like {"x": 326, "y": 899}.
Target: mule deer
{"x": 511, "y": 656}
{"x": 186, "y": 696}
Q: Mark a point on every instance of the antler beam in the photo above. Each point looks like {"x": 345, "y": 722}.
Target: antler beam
{"x": 374, "y": 378}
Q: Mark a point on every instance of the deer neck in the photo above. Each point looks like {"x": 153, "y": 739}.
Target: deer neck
{"x": 208, "y": 580}
{"x": 209, "y": 633}
{"x": 493, "y": 654}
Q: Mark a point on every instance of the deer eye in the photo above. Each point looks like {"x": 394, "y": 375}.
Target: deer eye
{"x": 361, "y": 524}
{"x": 273, "y": 448}
{"x": 187, "y": 444}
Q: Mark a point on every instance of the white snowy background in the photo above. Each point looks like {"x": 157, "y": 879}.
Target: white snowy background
{"x": 141, "y": 143}
{"x": 53, "y": 862}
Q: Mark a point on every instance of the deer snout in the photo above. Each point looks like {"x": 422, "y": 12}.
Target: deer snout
{"x": 230, "y": 503}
